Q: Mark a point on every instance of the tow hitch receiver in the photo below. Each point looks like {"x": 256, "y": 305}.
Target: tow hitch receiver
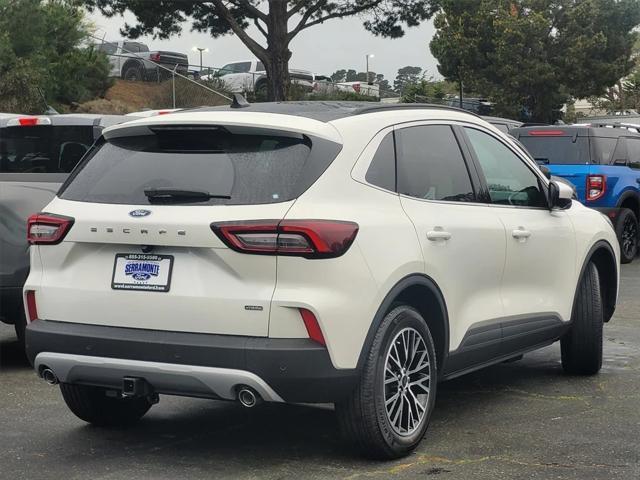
{"x": 136, "y": 387}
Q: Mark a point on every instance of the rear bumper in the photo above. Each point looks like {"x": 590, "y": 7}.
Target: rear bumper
{"x": 190, "y": 364}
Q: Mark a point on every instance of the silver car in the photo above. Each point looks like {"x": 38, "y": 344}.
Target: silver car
{"x": 37, "y": 153}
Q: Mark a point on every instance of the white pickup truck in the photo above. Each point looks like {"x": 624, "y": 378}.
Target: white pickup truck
{"x": 251, "y": 76}
{"x": 134, "y": 61}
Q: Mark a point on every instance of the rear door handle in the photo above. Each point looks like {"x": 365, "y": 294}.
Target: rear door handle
{"x": 521, "y": 234}
{"x": 438, "y": 234}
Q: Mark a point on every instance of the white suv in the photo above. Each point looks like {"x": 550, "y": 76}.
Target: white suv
{"x": 309, "y": 252}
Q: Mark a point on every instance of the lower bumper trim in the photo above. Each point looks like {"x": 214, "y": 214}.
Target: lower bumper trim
{"x": 166, "y": 378}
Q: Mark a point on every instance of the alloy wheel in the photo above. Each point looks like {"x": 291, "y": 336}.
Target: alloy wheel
{"x": 629, "y": 236}
{"x": 407, "y": 381}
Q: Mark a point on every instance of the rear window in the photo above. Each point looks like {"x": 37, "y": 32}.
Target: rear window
{"x": 249, "y": 168}
{"x": 559, "y": 150}
{"x": 43, "y": 149}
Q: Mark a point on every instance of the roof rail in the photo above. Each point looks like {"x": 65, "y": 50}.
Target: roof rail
{"x": 409, "y": 106}
{"x": 622, "y": 125}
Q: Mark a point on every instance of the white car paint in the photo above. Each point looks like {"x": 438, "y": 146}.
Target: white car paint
{"x": 483, "y": 271}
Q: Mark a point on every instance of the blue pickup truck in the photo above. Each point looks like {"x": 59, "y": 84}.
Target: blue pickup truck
{"x": 602, "y": 162}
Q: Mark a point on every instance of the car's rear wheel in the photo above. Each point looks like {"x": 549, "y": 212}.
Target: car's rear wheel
{"x": 627, "y": 232}
{"x": 388, "y": 413}
{"x": 20, "y": 326}
{"x": 95, "y": 406}
{"x": 581, "y": 346}
{"x": 133, "y": 73}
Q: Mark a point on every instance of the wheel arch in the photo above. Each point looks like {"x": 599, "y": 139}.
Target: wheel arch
{"x": 422, "y": 293}
{"x": 603, "y": 256}
{"x": 631, "y": 200}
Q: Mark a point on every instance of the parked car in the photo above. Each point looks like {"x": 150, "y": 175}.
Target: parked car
{"x": 135, "y": 62}
{"x": 309, "y": 252}
{"x": 604, "y": 165}
{"x": 36, "y": 155}
{"x": 251, "y": 76}
{"x": 503, "y": 124}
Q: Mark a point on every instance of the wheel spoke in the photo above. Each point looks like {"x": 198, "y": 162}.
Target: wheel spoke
{"x": 420, "y": 383}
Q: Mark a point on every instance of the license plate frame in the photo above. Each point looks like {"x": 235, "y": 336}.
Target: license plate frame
{"x": 143, "y": 272}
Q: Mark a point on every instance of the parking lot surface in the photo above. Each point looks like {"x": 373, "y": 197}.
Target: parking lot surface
{"x": 515, "y": 420}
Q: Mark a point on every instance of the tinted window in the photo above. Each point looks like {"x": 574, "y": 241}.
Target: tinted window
{"x": 633, "y": 152}
{"x": 43, "y": 149}
{"x": 130, "y": 47}
{"x": 559, "y": 150}
{"x": 108, "y": 48}
{"x": 382, "y": 171}
{"x": 252, "y": 169}
{"x": 431, "y": 166}
{"x": 240, "y": 67}
{"x": 259, "y": 67}
{"x": 510, "y": 181}
{"x": 602, "y": 149}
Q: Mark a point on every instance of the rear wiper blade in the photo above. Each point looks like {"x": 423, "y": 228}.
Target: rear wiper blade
{"x": 171, "y": 194}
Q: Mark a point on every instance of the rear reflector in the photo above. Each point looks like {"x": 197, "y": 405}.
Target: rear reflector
{"x": 46, "y": 228}
{"x": 304, "y": 238}
{"x": 28, "y": 121}
{"x": 32, "y": 310}
{"x": 312, "y": 326}
{"x": 596, "y": 186}
{"x": 547, "y": 133}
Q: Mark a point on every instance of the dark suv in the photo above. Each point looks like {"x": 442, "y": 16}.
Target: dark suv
{"x": 36, "y": 155}
{"x": 602, "y": 161}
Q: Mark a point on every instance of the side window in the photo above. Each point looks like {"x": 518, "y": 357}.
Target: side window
{"x": 382, "y": 170}
{"x": 431, "y": 166}
{"x": 259, "y": 66}
{"x": 510, "y": 180}
{"x": 603, "y": 149}
{"x": 633, "y": 151}
{"x": 130, "y": 47}
{"x": 241, "y": 67}
{"x": 107, "y": 48}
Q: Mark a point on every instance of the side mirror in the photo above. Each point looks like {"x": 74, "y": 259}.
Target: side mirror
{"x": 560, "y": 195}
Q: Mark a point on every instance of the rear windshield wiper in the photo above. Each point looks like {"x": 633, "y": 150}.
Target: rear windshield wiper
{"x": 176, "y": 195}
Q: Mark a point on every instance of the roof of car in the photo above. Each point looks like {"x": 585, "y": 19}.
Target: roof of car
{"x": 325, "y": 111}
{"x": 501, "y": 120}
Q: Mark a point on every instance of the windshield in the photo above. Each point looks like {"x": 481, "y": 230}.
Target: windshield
{"x": 250, "y": 169}
{"x": 557, "y": 150}
{"x": 43, "y": 149}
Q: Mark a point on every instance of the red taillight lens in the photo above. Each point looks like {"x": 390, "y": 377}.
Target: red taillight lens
{"x": 312, "y": 326}
{"x": 45, "y": 228}
{"x": 596, "y": 186}
{"x": 28, "y": 121}
{"x": 155, "y": 57}
{"x": 32, "y": 311}
{"x": 305, "y": 238}
{"x": 547, "y": 133}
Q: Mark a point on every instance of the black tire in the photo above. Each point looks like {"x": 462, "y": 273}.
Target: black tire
{"x": 363, "y": 417}
{"x": 92, "y": 405}
{"x": 581, "y": 346}
{"x": 133, "y": 73}
{"x": 627, "y": 233}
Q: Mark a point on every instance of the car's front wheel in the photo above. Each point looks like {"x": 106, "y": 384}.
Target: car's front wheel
{"x": 581, "y": 346}
{"x": 94, "y": 405}
{"x": 388, "y": 413}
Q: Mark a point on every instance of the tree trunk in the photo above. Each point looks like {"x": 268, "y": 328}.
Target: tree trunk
{"x": 278, "y": 53}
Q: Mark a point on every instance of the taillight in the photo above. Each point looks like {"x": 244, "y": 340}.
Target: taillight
{"x": 596, "y": 186}
{"x": 30, "y": 300}
{"x": 312, "y": 326}
{"x": 155, "y": 57}
{"x": 304, "y": 238}
{"x": 547, "y": 133}
{"x": 28, "y": 121}
{"x": 46, "y": 228}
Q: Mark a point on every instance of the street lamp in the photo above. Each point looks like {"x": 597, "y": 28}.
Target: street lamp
{"x": 368, "y": 56}
{"x": 200, "y": 49}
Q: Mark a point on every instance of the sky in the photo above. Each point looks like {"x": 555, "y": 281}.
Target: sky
{"x": 325, "y": 48}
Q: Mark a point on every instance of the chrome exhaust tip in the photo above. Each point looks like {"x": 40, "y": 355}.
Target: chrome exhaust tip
{"x": 48, "y": 376}
{"x": 248, "y": 397}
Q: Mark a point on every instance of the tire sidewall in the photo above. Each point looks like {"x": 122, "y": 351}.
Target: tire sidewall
{"x": 400, "y": 318}
{"x": 625, "y": 213}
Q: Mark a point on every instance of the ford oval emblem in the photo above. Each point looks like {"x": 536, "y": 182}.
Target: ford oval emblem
{"x": 140, "y": 213}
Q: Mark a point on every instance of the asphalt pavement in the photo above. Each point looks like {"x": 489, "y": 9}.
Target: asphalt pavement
{"x": 521, "y": 420}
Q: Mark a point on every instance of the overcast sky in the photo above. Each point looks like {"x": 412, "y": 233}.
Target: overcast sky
{"x": 323, "y": 49}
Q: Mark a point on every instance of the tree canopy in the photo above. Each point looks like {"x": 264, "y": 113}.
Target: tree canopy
{"x": 277, "y": 21}
{"x": 532, "y": 56}
{"x": 43, "y": 56}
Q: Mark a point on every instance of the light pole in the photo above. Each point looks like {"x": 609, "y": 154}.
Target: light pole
{"x": 368, "y": 56}
{"x": 200, "y": 49}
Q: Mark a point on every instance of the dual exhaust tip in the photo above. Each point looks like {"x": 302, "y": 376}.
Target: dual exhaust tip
{"x": 247, "y": 396}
